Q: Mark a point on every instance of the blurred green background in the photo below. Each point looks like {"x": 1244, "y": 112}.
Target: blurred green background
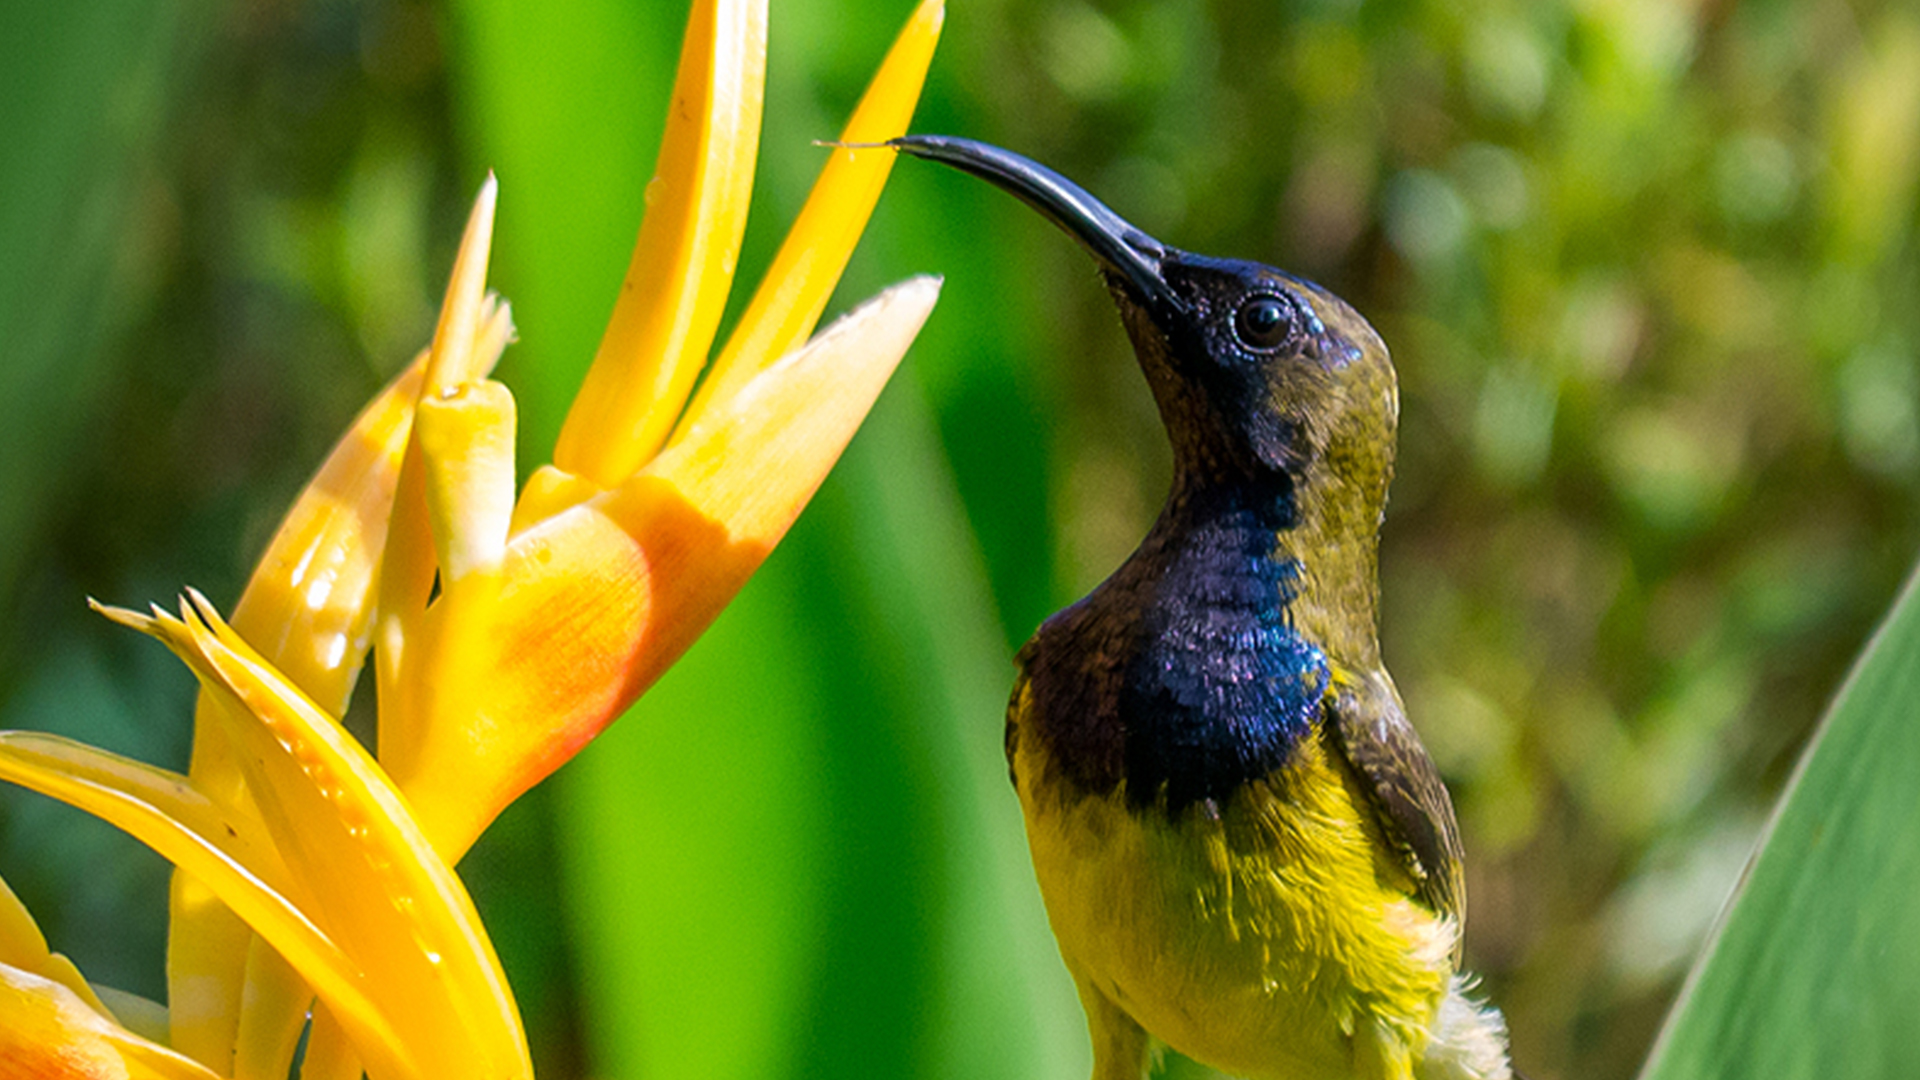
{"x": 1648, "y": 271}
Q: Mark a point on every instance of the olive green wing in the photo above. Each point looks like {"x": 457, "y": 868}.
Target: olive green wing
{"x": 1370, "y": 727}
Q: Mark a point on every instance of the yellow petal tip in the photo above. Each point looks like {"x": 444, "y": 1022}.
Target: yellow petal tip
{"x": 462, "y": 312}
{"x": 804, "y": 272}
{"x": 124, "y": 616}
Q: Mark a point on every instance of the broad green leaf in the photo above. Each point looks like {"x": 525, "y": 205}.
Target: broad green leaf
{"x": 939, "y": 674}
{"x": 694, "y": 833}
{"x": 1815, "y": 970}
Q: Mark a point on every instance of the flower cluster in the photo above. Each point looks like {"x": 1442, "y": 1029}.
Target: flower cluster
{"x": 314, "y": 889}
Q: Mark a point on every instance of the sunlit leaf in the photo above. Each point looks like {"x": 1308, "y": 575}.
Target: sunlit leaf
{"x": 1815, "y": 971}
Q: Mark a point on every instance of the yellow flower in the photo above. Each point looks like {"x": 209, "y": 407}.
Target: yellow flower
{"x": 505, "y": 631}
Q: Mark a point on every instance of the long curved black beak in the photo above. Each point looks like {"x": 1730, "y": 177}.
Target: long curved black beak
{"x": 1124, "y": 251}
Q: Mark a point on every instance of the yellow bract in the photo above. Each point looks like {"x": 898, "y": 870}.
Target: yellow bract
{"x": 380, "y": 925}
{"x": 506, "y": 630}
{"x": 670, "y": 304}
{"x": 788, "y": 303}
{"x": 52, "y": 1033}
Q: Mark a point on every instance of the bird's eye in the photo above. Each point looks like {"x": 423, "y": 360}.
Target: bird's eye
{"x": 1264, "y": 323}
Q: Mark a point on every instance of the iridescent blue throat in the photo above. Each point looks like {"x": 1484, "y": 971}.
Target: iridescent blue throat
{"x": 1182, "y": 675}
{"x": 1222, "y": 686}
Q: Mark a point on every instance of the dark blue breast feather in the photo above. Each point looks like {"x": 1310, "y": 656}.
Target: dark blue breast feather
{"x": 1182, "y": 675}
{"x": 1222, "y": 686}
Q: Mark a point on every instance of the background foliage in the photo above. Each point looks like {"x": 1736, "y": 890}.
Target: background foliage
{"x": 1647, "y": 270}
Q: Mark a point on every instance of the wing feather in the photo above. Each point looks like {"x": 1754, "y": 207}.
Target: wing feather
{"x": 1411, "y": 803}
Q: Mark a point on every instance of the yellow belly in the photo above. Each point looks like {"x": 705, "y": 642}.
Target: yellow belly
{"x": 1274, "y": 940}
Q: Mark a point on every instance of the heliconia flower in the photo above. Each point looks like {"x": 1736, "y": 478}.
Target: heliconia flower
{"x": 315, "y": 889}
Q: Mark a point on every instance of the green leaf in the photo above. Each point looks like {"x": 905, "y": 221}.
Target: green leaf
{"x": 695, "y": 833}
{"x": 86, "y": 86}
{"x": 1003, "y": 1004}
{"x": 1815, "y": 970}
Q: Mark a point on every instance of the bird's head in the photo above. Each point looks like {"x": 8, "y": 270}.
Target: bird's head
{"x": 1261, "y": 377}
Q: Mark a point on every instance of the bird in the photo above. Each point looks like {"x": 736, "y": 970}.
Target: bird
{"x": 1245, "y": 851}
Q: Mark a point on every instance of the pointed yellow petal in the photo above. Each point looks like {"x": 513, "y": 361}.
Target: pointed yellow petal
{"x": 796, "y": 288}
{"x": 491, "y": 337}
{"x": 464, "y": 311}
{"x": 466, "y": 446}
{"x": 743, "y": 461}
{"x": 597, "y": 601}
{"x": 21, "y": 943}
{"x": 372, "y": 879}
{"x": 683, "y": 262}
{"x": 48, "y": 1033}
{"x": 120, "y": 793}
{"x": 34, "y": 759}
{"x": 25, "y": 754}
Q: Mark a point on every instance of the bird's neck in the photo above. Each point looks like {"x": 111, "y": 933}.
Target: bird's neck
{"x": 1202, "y": 662}
{"x": 1297, "y": 534}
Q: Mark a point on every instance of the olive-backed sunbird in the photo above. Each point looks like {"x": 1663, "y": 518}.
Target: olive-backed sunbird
{"x": 1245, "y": 851}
